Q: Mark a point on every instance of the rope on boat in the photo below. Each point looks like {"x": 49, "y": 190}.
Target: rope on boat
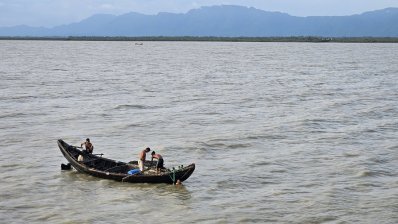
{"x": 173, "y": 172}
{"x": 173, "y": 177}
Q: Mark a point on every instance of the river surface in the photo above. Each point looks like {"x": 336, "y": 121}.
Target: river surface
{"x": 279, "y": 132}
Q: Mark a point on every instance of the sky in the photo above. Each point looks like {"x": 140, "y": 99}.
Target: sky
{"x": 50, "y": 13}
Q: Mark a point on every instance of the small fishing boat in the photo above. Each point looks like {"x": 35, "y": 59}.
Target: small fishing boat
{"x": 98, "y": 166}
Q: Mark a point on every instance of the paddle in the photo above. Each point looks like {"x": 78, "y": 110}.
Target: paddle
{"x": 98, "y": 154}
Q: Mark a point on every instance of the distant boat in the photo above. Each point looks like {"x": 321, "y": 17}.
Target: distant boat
{"x": 101, "y": 167}
{"x": 139, "y": 44}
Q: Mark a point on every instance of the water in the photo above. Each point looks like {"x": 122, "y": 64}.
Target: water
{"x": 280, "y": 132}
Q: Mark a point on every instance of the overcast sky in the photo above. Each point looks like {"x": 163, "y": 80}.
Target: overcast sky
{"x": 50, "y": 13}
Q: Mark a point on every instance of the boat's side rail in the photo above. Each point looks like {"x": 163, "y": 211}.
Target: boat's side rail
{"x": 119, "y": 169}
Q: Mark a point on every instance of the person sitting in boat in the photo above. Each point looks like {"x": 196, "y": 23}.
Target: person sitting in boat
{"x": 88, "y": 146}
{"x": 142, "y": 157}
{"x": 159, "y": 164}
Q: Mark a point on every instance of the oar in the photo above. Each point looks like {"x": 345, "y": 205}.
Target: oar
{"x": 98, "y": 154}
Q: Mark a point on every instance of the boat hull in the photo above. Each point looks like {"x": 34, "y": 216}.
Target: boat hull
{"x": 115, "y": 170}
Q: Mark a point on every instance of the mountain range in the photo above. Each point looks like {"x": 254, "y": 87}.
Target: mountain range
{"x": 222, "y": 21}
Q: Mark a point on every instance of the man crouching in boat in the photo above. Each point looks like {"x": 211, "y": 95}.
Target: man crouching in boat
{"x": 88, "y": 146}
{"x": 142, "y": 157}
{"x": 159, "y": 164}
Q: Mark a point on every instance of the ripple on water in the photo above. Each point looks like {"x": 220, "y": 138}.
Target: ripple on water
{"x": 376, "y": 173}
{"x": 131, "y": 106}
{"x": 280, "y": 132}
{"x": 351, "y": 154}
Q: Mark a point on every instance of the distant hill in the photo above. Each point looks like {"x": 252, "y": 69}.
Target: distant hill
{"x": 223, "y": 21}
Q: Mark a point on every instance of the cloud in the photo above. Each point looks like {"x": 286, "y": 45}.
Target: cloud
{"x": 107, "y": 6}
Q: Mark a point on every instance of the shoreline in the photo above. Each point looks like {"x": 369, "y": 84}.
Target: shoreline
{"x": 305, "y": 39}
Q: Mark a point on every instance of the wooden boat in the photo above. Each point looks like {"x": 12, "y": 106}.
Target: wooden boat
{"x": 101, "y": 167}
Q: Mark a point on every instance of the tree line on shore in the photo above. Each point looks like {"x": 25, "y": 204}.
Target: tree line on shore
{"x": 313, "y": 39}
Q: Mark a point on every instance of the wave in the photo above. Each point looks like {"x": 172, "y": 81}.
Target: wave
{"x": 130, "y": 106}
{"x": 18, "y": 97}
{"x": 393, "y": 147}
{"x": 351, "y": 154}
{"x": 19, "y": 115}
{"x": 59, "y": 69}
{"x": 212, "y": 145}
{"x": 239, "y": 145}
{"x": 127, "y": 126}
{"x": 278, "y": 171}
{"x": 271, "y": 136}
{"x": 369, "y": 173}
{"x": 10, "y": 165}
{"x": 12, "y": 115}
{"x": 366, "y": 173}
{"x": 262, "y": 163}
{"x": 222, "y": 143}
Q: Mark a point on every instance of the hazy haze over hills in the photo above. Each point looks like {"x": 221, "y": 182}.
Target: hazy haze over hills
{"x": 225, "y": 21}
